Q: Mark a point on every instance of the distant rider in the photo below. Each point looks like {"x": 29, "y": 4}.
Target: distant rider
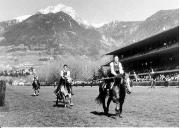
{"x": 35, "y": 81}
{"x": 152, "y": 78}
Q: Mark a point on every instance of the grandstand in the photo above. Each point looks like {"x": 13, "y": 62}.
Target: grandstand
{"x": 160, "y": 52}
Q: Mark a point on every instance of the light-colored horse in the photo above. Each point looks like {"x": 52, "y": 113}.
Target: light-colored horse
{"x": 63, "y": 95}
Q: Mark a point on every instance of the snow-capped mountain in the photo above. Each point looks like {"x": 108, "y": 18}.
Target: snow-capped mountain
{"x": 66, "y": 9}
{"x": 52, "y": 28}
{"x": 55, "y": 9}
{"x": 58, "y": 31}
{"x": 58, "y": 8}
{"x": 98, "y": 25}
{"x": 22, "y": 18}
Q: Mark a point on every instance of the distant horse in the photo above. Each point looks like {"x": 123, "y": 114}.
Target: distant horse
{"x": 117, "y": 94}
{"x": 36, "y": 86}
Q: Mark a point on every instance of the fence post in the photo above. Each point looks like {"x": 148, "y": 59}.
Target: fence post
{"x": 2, "y": 92}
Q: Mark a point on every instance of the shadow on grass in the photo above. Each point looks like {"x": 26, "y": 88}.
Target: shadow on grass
{"x": 59, "y": 105}
{"x": 103, "y": 114}
{"x": 34, "y": 95}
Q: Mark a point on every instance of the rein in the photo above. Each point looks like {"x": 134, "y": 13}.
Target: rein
{"x": 108, "y": 78}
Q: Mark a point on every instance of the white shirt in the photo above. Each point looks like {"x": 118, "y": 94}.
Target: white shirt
{"x": 62, "y": 74}
{"x": 121, "y": 71}
{"x": 67, "y": 75}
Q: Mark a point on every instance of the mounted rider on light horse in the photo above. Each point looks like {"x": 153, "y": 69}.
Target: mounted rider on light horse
{"x": 64, "y": 89}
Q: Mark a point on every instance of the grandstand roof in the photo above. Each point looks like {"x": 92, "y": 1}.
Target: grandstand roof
{"x": 160, "y": 53}
{"x": 173, "y": 50}
{"x": 166, "y": 35}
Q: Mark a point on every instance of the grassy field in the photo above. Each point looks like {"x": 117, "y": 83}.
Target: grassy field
{"x": 144, "y": 107}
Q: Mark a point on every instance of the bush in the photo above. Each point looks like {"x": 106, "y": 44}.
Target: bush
{"x": 81, "y": 68}
{"x": 2, "y": 92}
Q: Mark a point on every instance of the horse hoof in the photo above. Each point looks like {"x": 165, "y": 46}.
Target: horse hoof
{"x": 71, "y": 104}
{"x": 120, "y": 116}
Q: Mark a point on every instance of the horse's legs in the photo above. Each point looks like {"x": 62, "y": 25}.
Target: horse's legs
{"x": 117, "y": 109}
{"x": 120, "y": 108}
{"x": 57, "y": 97}
{"x": 35, "y": 92}
{"x": 104, "y": 105}
{"x": 121, "y": 101}
{"x": 108, "y": 103}
{"x": 38, "y": 92}
{"x": 64, "y": 100}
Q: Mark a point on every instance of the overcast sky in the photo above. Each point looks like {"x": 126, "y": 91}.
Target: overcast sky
{"x": 94, "y": 11}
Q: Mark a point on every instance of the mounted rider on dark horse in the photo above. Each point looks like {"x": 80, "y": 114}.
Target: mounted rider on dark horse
{"x": 35, "y": 83}
{"x": 114, "y": 87}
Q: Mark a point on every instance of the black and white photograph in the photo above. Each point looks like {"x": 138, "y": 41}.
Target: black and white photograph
{"x": 89, "y": 63}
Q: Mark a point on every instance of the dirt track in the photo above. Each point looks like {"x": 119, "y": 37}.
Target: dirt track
{"x": 144, "y": 107}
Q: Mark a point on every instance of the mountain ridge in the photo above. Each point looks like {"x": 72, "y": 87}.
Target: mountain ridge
{"x": 59, "y": 34}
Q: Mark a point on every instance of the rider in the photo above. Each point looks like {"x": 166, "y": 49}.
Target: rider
{"x": 152, "y": 78}
{"x": 35, "y": 77}
{"x": 115, "y": 70}
{"x": 66, "y": 80}
{"x": 65, "y": 77}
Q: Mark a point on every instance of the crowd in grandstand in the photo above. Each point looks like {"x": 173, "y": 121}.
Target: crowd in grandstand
{"x": 158, "y": 77}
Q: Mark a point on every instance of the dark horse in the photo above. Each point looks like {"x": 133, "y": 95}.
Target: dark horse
{"x": 36, "y": 86}
{"x": 116, "y": 94}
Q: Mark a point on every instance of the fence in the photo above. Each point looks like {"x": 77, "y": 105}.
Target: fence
{"x": 158, "y": 83}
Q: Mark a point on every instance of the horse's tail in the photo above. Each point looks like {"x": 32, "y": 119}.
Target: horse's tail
{"x": 102, "y": 95}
